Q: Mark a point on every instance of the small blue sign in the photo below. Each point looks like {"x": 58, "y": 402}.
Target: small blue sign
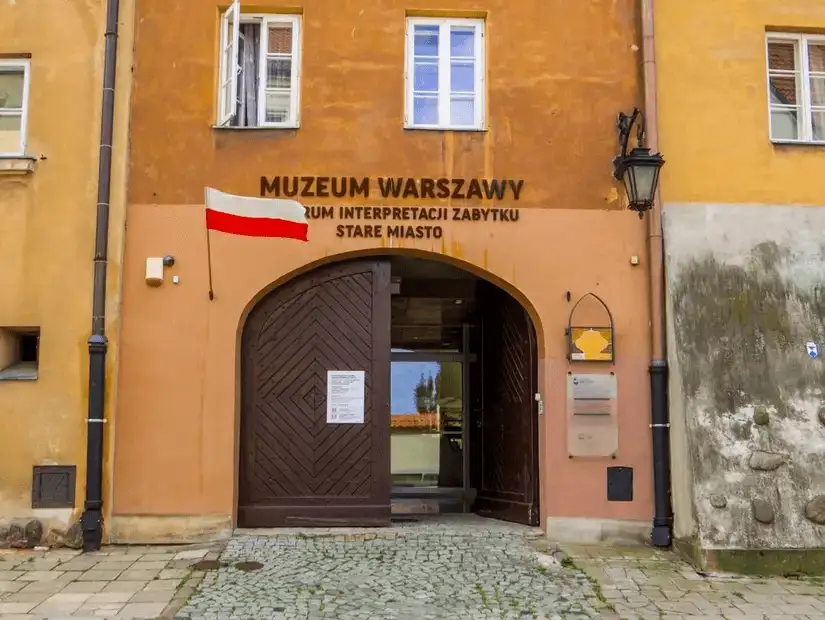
{"x": 813, "y": 350}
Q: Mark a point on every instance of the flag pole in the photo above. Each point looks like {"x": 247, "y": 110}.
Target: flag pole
{"x": 209, "y": 258}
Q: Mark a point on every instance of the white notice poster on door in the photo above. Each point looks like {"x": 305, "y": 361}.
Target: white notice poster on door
{"x": 345, "y": 397}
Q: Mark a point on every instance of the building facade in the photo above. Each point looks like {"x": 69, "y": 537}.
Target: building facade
{"x": 51, "y": 79}
{"x": 740, "y": 91}
{"x": 419, "y": 289}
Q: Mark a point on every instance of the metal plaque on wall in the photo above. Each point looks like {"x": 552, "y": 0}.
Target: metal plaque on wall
{"x": 592, "y": 420}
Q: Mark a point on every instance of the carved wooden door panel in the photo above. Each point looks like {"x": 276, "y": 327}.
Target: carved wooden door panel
{"x": 295, "y": 468}
{"x": 506, "y": 434}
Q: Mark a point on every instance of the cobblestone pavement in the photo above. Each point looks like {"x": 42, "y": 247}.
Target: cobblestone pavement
{"x": 463, "y": 568}
{"x": 652, "y": 584}
{"x": 120, "y": 582}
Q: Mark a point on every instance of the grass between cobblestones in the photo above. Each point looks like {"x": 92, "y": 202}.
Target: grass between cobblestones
{"x": 568, "y": 562}
{"x": 463, "y": 568}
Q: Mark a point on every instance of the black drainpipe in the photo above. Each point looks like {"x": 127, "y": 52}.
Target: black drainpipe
{"x": 92, "y": 520}
{"x": 660, "y": 427}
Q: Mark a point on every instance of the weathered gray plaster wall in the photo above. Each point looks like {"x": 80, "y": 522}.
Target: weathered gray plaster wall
{"x": 746, "y": 292}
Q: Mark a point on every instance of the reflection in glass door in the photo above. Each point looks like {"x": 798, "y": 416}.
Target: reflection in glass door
{"x": 426, "y": 447}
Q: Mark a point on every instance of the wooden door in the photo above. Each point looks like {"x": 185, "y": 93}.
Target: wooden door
{"x": 505, "y": 442}
{"x": 295, "y": 468}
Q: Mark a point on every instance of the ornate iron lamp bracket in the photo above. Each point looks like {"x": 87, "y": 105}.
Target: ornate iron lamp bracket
{"x": 624, "y": 124}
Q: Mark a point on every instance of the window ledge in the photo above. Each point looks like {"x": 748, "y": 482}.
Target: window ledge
{"x": 23, "y": 371}
{"x": 798, "y": 142}
{"x": 257, "y": 128}
{"x": 16, "y": 164}
{"x": 446, "y": 129}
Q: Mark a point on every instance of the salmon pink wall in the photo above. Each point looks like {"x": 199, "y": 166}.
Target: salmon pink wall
{"x": 179, "y": 396}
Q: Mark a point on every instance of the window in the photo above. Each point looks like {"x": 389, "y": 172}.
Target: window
{"x": 796, "y": 87}
{"x": 19, "y": 353}
{"x": 259, "y": 70}
{"x": 14, "y": 95}
{"x": 445, "y": 74}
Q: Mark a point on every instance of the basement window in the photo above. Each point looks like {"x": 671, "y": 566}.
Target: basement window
{"x": 19, "y": 353}
{"x": 259, "y": 70}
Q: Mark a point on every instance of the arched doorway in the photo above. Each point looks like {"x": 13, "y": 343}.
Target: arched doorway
{"x": 446, "y": 366}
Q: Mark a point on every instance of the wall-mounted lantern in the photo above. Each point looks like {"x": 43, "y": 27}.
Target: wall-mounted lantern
{"x": 639, "y": 169}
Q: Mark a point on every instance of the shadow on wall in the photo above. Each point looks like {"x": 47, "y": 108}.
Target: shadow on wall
{"x": 753, "y": 398}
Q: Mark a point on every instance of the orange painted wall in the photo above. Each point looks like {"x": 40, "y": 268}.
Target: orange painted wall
{"x": 558, "y": 73}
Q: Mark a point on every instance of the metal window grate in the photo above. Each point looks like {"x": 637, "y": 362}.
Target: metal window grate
{"x": 619, "y": 484}
{"x": 53, "y": 486}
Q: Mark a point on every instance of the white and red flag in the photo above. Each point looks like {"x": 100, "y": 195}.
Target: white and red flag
{"x": 255, "y": 217}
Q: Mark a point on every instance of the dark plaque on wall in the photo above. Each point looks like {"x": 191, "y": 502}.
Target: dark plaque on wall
{"x": 619, "y": 484}
{"x": 53, "y": 486}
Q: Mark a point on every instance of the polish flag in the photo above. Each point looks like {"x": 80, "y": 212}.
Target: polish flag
{"x": 255, "y": 217}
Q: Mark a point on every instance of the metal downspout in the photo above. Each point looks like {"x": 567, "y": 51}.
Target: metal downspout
{"x": 660, "y": 415}
{"x": 92, "y": 519}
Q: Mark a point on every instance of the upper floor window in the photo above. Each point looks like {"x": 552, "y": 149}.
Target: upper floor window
{"x": 445, "y": 74}
{"x": 796, "y": 87}
{"x": 14, "y": 96}
{"x": 259, "y": 70}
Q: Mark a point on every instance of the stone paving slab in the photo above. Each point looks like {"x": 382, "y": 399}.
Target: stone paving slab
{"x": 450, "y": 568}
{"x": 116, "y": 582}
{"x": 648, "y": 584}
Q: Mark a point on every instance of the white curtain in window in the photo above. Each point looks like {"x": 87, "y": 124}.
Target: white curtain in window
{"x": 248, "y": 80}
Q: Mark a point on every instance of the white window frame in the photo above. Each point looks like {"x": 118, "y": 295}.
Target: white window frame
{"x": 802, "y": 69}
{"x": 228, "y": 74}
{"x": 264, "y": 21}
{"x": 25, "y": 65}
{"x": 444, "y": 73}
{"x": 294, "y": 21}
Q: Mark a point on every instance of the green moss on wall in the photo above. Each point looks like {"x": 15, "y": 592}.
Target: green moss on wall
{"x": 741, "y": 325}
{"x": 741, "y": 331}
{"x": 769, "y": 562}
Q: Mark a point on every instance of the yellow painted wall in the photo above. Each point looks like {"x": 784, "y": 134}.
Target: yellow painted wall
{"x": 713, "y": 104}
{"x": 739, "y": 233}
{"x": 47, "y": 226}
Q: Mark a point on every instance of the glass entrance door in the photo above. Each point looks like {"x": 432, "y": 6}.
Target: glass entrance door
{"x": 430, "y": 361}
{"x": 427, "y": 424}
